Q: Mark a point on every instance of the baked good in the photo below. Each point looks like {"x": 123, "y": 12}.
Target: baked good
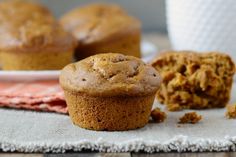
{"x": 109, "y": 91}
{"x": 194, "y": 80}
{"x": 157, "y": 115}
{"x": 190, "y": 117}
{"x": 31, "y": 38}
{"x": 103, "y": 28}
{"x": 231, "y": 111}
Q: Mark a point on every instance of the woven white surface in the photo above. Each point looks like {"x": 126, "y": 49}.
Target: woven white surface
{"x": 27, "y": 131}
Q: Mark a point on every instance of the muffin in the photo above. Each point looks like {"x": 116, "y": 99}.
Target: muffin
{"x": 101, "y": 28}
{"x": 109, "y": 91}
{"x": 32, "y": 39}
{"x": 194, "y": 80}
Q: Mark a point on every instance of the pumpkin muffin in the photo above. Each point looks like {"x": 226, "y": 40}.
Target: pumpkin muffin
{"x": 101, "y": 28}
{"x": 110, "y": 91}
{"x": 32, "y": 39}
{"x": 194, "y": 80}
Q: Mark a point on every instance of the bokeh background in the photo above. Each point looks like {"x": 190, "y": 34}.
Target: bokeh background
{"x": 150, "y": 12}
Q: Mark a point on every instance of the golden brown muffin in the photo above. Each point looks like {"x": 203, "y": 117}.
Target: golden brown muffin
{"x": 101, "y": 28}
{"x": 109, "y": 91}
{"x": 194, "y": 80}
{"x": 31, "y": 38}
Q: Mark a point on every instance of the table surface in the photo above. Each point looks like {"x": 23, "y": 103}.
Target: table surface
{"x": 162, "y": 42}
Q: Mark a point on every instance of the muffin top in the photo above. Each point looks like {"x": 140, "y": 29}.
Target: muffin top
{"x": 110, "y": 74}
{"x": 99, "y": 22}
{"x": 30, "y": 27}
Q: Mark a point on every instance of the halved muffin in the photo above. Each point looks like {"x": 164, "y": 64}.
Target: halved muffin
{"x": 194, "y": 80}
{"x": 32, "y": 39}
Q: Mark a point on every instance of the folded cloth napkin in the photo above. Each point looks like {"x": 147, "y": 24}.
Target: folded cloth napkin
{"x": 39, "y": 95}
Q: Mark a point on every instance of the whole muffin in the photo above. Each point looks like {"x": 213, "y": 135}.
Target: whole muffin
{"x": 32, "y": 39}
{"x": 194, "y": 80}
{"x": 110, "y": 91}
{"x": 101, "y": 28}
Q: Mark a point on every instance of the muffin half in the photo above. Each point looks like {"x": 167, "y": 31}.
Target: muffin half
{"x": 32, "y": 39}
{"x": 194, "y": 80}
{"x": 110, "y": 91}
{"x": 101, "y": 28}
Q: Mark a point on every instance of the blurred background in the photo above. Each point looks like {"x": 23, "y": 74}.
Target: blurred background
{"x": 202, "y": 25}
{"x": 150, "y": 12}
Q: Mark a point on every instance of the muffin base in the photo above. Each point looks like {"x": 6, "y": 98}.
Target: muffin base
{"x": 127, "y": 45}
{"x": 35, "y": 61}
{"x": 109, "y": 113}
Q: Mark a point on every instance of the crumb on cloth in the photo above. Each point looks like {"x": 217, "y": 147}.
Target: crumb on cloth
{"x": 231, "y": 111}
{"x": 157, "y": 115}
{"x": 190, "y": 117}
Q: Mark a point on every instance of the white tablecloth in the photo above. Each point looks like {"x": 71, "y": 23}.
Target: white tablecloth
{"x": 27, "y": 131}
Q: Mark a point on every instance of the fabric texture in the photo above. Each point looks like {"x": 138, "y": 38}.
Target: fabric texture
{"x": 27, "y": 131}
{"x": 38, "y": 95}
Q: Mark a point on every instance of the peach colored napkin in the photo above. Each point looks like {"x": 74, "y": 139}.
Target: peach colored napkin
{"x": 39, "y": 96}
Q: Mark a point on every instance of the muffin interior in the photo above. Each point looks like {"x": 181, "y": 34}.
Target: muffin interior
{"x": 193, "y": 80}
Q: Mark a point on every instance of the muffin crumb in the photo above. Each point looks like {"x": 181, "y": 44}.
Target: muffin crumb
{"x": 158, "y": 116}
{"x": 191, "y": 117}
{"x": 231, "y": 111}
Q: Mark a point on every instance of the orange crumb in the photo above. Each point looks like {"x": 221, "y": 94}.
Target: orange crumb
{"x": 231, "y": 111}
{"x": 157, "y": 115}
{"x": 191, "y": 117}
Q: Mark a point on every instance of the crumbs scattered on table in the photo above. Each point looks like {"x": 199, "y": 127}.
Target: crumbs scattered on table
{"x": 231, "y": 111}
{"x": 157, "y": 115}
{"x": 190, "y": 117}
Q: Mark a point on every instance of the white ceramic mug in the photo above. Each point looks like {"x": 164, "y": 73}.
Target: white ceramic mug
{"x": 202, "y": 25}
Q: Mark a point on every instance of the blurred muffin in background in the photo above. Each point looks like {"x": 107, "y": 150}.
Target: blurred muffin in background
{"x": 32, "y": 39}
{"x": 103, "y": 28}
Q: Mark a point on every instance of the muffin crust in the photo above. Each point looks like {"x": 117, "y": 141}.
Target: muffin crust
{"x": 110, "y": 74}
